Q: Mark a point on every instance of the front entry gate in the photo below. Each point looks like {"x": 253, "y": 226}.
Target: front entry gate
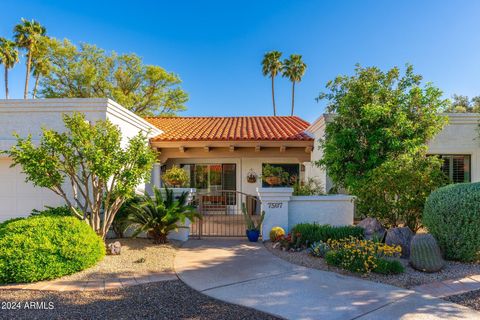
{"x": 222, "y": 215}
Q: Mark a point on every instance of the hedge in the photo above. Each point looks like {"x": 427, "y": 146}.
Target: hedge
{"x": 313, "y": 232}
{"x": 46, "y": 247}
{"x": 452, "y": 216}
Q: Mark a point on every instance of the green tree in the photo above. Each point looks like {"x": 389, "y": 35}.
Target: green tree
{"x": 90, "y": 72}
{"x": 86, "y": 160}
{"x": 41, "y": 62}
{"x": 461, "y": 104}
{"x": 395, "y": 192}
{"x": 271, "y": 66}
{"x": 27, "y": 35}
{"x": 294, "y": 69}
{"x": 378, "y": 117}
{"x": 8, "y": 57}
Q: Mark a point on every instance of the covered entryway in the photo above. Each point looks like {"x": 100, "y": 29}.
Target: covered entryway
{"x": 222, "y": 214}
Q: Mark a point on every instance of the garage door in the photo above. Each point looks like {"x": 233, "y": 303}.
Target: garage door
{"x": 18, "y": 198}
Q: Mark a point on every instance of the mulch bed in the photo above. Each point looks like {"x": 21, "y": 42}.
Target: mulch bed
{"x": 408, "y": 279}
{"x": 161, "y": 300}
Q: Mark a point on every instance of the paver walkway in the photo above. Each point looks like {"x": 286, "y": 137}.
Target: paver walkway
{"x": 247, "y": 274}
{"x": 116, "y": 281}
{"x": 450, "y": 287}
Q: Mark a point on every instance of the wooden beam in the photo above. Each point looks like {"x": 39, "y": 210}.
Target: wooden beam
{"x": 206, "y": 148}
{"x": 181, "y": 149}
{"x": 231, "y": 148}
{"x": 283, "y": 148}
{"x": 258, "y": 148}
{"x": 308, "y": 149}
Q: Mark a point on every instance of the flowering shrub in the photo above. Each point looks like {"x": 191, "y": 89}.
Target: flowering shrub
{"x": 291, "y": 241}
{"x": 363, "y": 256}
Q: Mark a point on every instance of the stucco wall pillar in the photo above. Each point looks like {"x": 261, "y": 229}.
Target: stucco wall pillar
{"x": 155, "y": 178}
{"x": 275, "y": 204}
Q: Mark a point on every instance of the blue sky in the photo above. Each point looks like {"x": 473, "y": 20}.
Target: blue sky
{"x": 216, "y": 46}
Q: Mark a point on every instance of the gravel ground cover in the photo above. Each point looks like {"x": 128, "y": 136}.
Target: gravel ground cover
{"x": 408, "y": 279}
{"x": 469, "y": 299}
{"x": 161, "y": 300}
{"x": 137, "y": 256}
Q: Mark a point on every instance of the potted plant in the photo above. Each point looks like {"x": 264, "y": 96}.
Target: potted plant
{"x": 253, "y": 229}
{"x": 274, "y": 176}
{"x": 175, "y": 177}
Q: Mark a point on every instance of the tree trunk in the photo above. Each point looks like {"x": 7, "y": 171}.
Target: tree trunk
{"x": 29, "y": 64}
{"x": 6, "y": 82}
{"x": 293, "y": 96}
{"x": 273, "y": 97}
{"x": 159, "y": 237}
{"x": 34, "y": 95}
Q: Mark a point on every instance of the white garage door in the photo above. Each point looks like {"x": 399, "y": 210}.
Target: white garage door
{"x": 18, "y": 198}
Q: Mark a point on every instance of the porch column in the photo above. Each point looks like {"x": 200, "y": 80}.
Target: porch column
{"x": 275, "y": 204}
{"x": 155, "y": 179}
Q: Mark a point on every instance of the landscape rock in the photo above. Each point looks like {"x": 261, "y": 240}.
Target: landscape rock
{"x": 373, "y": 229}
{"x": 400, "y": 237}
{"x": 114, "y": 248}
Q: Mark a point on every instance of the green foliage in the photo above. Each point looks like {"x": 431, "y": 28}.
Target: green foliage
{"x": 425, "y": 255}
{"x": 276, "y": 233}
{"x": 90, "y": 157}
{"x": 175, "y": 176}
{"x": 319, "y": 249}
{"x": 461, "y": 104}
{"x": 269, "y": 171}
{"x": 9, "y": 56}
{"x": 378, "y": 117}
{"x": 159, "y": 215}
{"x": 90, "y": 72}
{"x": 389, "y": 266}
{"x": 452, "y": 216}
{"x": 312, "y": 232}
{"x": 363, "y": 256}
{"x": 46, "y": 247}
{"x": 63, "y": 211}
{"x": 271, "y": 66}
{"x": 249, "y": 221}
{"x": 120, "y": 222}
{"x": 294, "y": 69}
{"x": 310, "y": 188}
{"x": 395, "y": 191}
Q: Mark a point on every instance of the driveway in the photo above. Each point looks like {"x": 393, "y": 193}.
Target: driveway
{"x": 247, "y": 274}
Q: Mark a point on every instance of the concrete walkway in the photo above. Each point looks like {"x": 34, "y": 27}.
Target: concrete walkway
{"x": 445, "y": 288}
{"x": 247, "y": 274}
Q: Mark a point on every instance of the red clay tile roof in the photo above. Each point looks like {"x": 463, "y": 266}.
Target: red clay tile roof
{"x": 266, "y": 128}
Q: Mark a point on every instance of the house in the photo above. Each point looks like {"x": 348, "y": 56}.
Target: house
{"x": 223, "y": 157}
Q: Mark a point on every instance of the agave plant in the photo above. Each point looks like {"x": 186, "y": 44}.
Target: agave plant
{"x": 250, "y": 222}
{"x": 158, "y": 215}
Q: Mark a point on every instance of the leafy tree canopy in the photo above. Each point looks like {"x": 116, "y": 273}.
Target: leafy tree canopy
{"x": 90, "y": 72}
{"x": 88, "y": 162}
{"x": 378, "y": 116}
{"x": 461, "y": 103}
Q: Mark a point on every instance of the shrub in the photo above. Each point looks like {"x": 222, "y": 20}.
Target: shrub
{"x": 319, "y": 249}
{"x": 312, "y": 232}
{"x": 452, "y": 216}
{"x": 388, "y": 266}
{"x": 276, "y": 233}
{"x": 46, "y": 247}
{"x": 361, "y": 256}
{"x": 175, "y": 176}
{"x": 62, "y": 211}
{"x": 310, "y": 188}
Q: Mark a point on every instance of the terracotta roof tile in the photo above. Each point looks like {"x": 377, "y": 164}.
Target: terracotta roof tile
{"x": 262, "y": 128}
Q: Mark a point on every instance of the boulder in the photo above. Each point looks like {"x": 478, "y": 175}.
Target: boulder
{"x": 373, "y": 229}
{"x": 114, "y": 248}
{"x": 400, "y": 237}
{"x": 425, "y": 254}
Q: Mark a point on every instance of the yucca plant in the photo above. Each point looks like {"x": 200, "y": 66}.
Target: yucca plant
{"x": 158, "y": 215}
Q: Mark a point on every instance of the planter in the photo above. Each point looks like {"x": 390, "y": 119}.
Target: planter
{"x": 273, "y": 181}
{"x": 182, "y": 233}
{"x": 253, "y": 235}
{"x": 174, "y": 183}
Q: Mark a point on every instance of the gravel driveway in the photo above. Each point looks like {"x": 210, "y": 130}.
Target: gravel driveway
{"x": 162, "y": 300}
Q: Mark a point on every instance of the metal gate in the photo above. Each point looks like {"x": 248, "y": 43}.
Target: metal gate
{"x": 222, "y": 214}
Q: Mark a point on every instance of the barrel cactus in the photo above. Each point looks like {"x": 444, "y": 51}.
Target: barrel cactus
{"x": 276, "y": 233}
{"x": 425, "y": 254}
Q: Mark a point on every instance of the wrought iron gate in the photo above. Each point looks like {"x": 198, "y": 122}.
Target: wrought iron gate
{"x": 222, "y": 215}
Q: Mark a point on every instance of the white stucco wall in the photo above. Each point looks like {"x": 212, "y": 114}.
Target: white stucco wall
{"x": 25, "y": 117}
{"x": 459, "y": 136}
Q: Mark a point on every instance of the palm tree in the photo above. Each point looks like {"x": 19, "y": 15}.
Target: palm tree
{"x": 41, "y": 64}
{"x": 27, "y": 35}
{"x": 271, "y": 66}
{"x": 294, "y": 69}
{"x": 158, "y": 215}
{"x": 8, "y": 57}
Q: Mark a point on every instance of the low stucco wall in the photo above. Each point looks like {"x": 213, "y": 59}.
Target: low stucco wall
{"x": 336, "y": 210}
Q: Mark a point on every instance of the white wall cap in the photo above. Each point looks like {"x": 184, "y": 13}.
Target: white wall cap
{"x": 330, "y": 197}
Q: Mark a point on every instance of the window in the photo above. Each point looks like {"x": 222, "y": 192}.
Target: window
{"x": 212, "y": 177}
{"x": 457, "y": 167}
{"x": 293, "y": 170}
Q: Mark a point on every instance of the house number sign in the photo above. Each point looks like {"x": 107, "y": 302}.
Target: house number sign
{"x": 275, "y": 205}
